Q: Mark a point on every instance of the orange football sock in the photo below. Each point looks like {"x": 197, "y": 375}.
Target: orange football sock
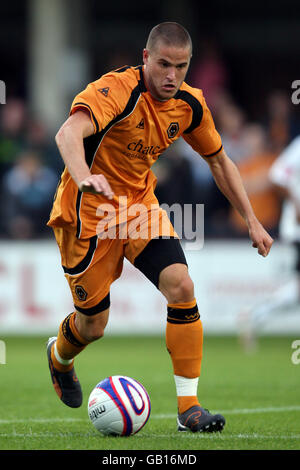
{"x": 185, "y": 403}
{"x": 68, "y": 344}
{"x": 184, "y": 341}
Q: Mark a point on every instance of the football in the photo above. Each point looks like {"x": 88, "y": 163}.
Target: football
{"x": 119, "y": 406}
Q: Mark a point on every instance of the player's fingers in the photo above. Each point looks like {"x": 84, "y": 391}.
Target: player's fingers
{"x": 264, "y": 246}
{"x": 260, "y": 247}
{"x": 97, "y": 184}
{"x": 107, "y": 191}
{"x": 85, "y": 184}
{"x": 268, "y": 244}
{"x": 262, "y": 250}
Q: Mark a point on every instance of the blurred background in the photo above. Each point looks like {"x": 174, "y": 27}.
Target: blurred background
{"x": 245, "y": 58}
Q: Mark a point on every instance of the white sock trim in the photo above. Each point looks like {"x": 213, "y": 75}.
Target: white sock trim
{"x": 62, "y": 361}
{"x": 186, "y": 387}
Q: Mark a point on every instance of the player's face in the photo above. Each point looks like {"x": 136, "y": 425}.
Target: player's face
{"x": 165, "y": 69}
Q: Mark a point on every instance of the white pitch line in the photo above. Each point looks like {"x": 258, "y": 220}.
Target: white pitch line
{"x": 41, "y": 420}
{"x": 272, "y": 409}
{"x": 189, "y": 436}
{"x": 220, "y": 436}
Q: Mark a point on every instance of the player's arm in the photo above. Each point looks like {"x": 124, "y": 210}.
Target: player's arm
{"x": 69, "y": 140}
{"x": 229, "y": 181}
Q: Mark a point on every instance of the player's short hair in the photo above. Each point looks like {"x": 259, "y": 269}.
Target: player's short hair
{"x": 171, "y": 34}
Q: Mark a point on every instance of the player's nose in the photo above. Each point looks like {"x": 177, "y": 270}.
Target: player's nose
{"x": 171, "y": 74}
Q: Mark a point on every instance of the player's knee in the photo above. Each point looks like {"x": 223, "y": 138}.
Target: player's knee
{"x": 92, "y": 328}
{"x": 184, "y": 291}
{"x": 178, "y": 288}
{"x": 93, "y": 332}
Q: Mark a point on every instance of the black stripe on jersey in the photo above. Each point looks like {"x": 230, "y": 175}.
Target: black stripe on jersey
{"x": 84, "y": 263}
{"x": 78, "y": 204}
{"x": 143, "y": 87}
{"x": 195, "y": 106}
{"x": 93, "y": 115}
{"x": 122, "y": 69}
{"x": 92, "y": 143}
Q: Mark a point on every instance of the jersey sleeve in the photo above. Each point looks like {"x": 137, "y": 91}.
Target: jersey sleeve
{"x": 103, "y": 99}
{"x": 204, "y": 139}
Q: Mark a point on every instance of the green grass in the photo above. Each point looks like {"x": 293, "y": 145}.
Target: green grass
{"x": 258, "y": 395}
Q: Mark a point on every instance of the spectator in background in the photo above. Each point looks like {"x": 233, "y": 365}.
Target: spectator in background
{"x": 284, "y": 175}
{"x": 254, "y": 169}
{"x": 13, "y": 131}
{"x": 230, "y": 120}
{"x": 209, "y": 73}
{"x": 280, "y": 123}
{"x": 38, "y": 141}
{"x": 28, "y": 189}
{"x": 202, "y": 187}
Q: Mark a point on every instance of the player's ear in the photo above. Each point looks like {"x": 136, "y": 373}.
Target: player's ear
{"x": 145, "y": 55}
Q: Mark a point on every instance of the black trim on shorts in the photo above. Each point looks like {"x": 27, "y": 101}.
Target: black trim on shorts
{"x": 84, "y": 263}
{"x": 157, "y": 255}
{"x": 100, "y": 307}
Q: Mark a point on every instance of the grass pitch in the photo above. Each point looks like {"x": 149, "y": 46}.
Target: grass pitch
{"x": 258, "y": 394}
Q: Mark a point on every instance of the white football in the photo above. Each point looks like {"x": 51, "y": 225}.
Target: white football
{"x": 119, "y": 406}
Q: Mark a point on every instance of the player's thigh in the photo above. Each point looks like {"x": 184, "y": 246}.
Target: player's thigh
{"x": 90, "y": 267}
{"x": 163, "y": 262}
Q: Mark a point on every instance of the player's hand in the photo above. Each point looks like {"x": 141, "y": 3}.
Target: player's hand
{"x": 260, "y": 238}
{"x": 96, "y": 184}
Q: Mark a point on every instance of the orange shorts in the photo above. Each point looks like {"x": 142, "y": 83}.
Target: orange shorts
{"x": 92, "y": 265}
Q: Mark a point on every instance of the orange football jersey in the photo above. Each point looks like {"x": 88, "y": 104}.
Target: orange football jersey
{"x": 132, "y": 130}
